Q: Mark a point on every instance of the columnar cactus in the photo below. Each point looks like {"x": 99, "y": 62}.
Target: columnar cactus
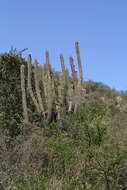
{"x": 63, "y": 78}
{"x": 37, "y": 86}
{"x": 74, "y": 72}
{"x": 49, "y": 87}
{"x": 62, "y": 63}
{"x": 61, "y": 92}
{"x": 79, "y": 65}
{"x": 66, "y": 89}
{"x": 29, "y": 62}
{"x": 24, "y": 104}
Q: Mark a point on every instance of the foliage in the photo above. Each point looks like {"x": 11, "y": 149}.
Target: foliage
{"x": 90, "y": 122}
{"x": 83, "y": 150}
{"x": 97, "y": 90}
{"x": 10, "y": 91}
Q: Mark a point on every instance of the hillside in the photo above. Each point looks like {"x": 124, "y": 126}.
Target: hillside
{"x": 58, "y": 131}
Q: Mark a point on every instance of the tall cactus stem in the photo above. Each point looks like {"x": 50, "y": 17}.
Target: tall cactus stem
{"x": 44, "y": 82}
{"x": 74, "y": 73}
{"x": 48, "y": 67}
{"x": 79, "y": 64}
{"x": 49, "y": 87}
{"x": 30, "y": 86}
{"x": 24, "y": 104}
{"x": 62, "y": 63}
{"x": 37, "y": 86}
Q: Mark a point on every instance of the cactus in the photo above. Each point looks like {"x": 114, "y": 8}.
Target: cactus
{"x": 74, "y": 73}
{"x": 79, "y": 65}
{"x": 61, "y": 93}
{"x": 44, "y": 82}
{"x": 47, "y": 60}
{"x": 49, "y": 87}
{"x": 62, "y": 63}
{"x": 30, "y": 86}
{"x": 24, "y": 104}
{"x": 37, "y": 86}
{"x": 63, "y": 81}
{"x": 64, "y": 85}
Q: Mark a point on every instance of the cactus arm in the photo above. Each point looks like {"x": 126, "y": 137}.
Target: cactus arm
{"x": 62, "y": 62}
{"x": 49, "y": 87}
{"x": 24, "y": 104}
{"x": 30, "y": 86}
{"x": 79, "y": 65}
{"x": 37, "y": 86}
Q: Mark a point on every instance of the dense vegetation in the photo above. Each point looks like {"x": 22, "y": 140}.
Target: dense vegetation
{"x": 84, "y": 148}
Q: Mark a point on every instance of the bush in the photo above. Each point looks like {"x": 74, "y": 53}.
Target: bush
{"x": 10, "y": 92}
{"x": 90, "y": 122}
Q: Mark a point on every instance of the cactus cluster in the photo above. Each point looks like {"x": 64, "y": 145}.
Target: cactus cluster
{"x": 62, "y": 93}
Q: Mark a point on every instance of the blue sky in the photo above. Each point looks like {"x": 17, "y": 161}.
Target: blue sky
{"x": 100, "y": 26}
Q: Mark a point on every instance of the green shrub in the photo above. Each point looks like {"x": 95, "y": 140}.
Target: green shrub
{"x": 90, "y": 122}
{"x": 10, "y": 92}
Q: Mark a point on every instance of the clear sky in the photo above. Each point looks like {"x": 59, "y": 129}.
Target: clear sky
{"x": 100, "y": 26}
